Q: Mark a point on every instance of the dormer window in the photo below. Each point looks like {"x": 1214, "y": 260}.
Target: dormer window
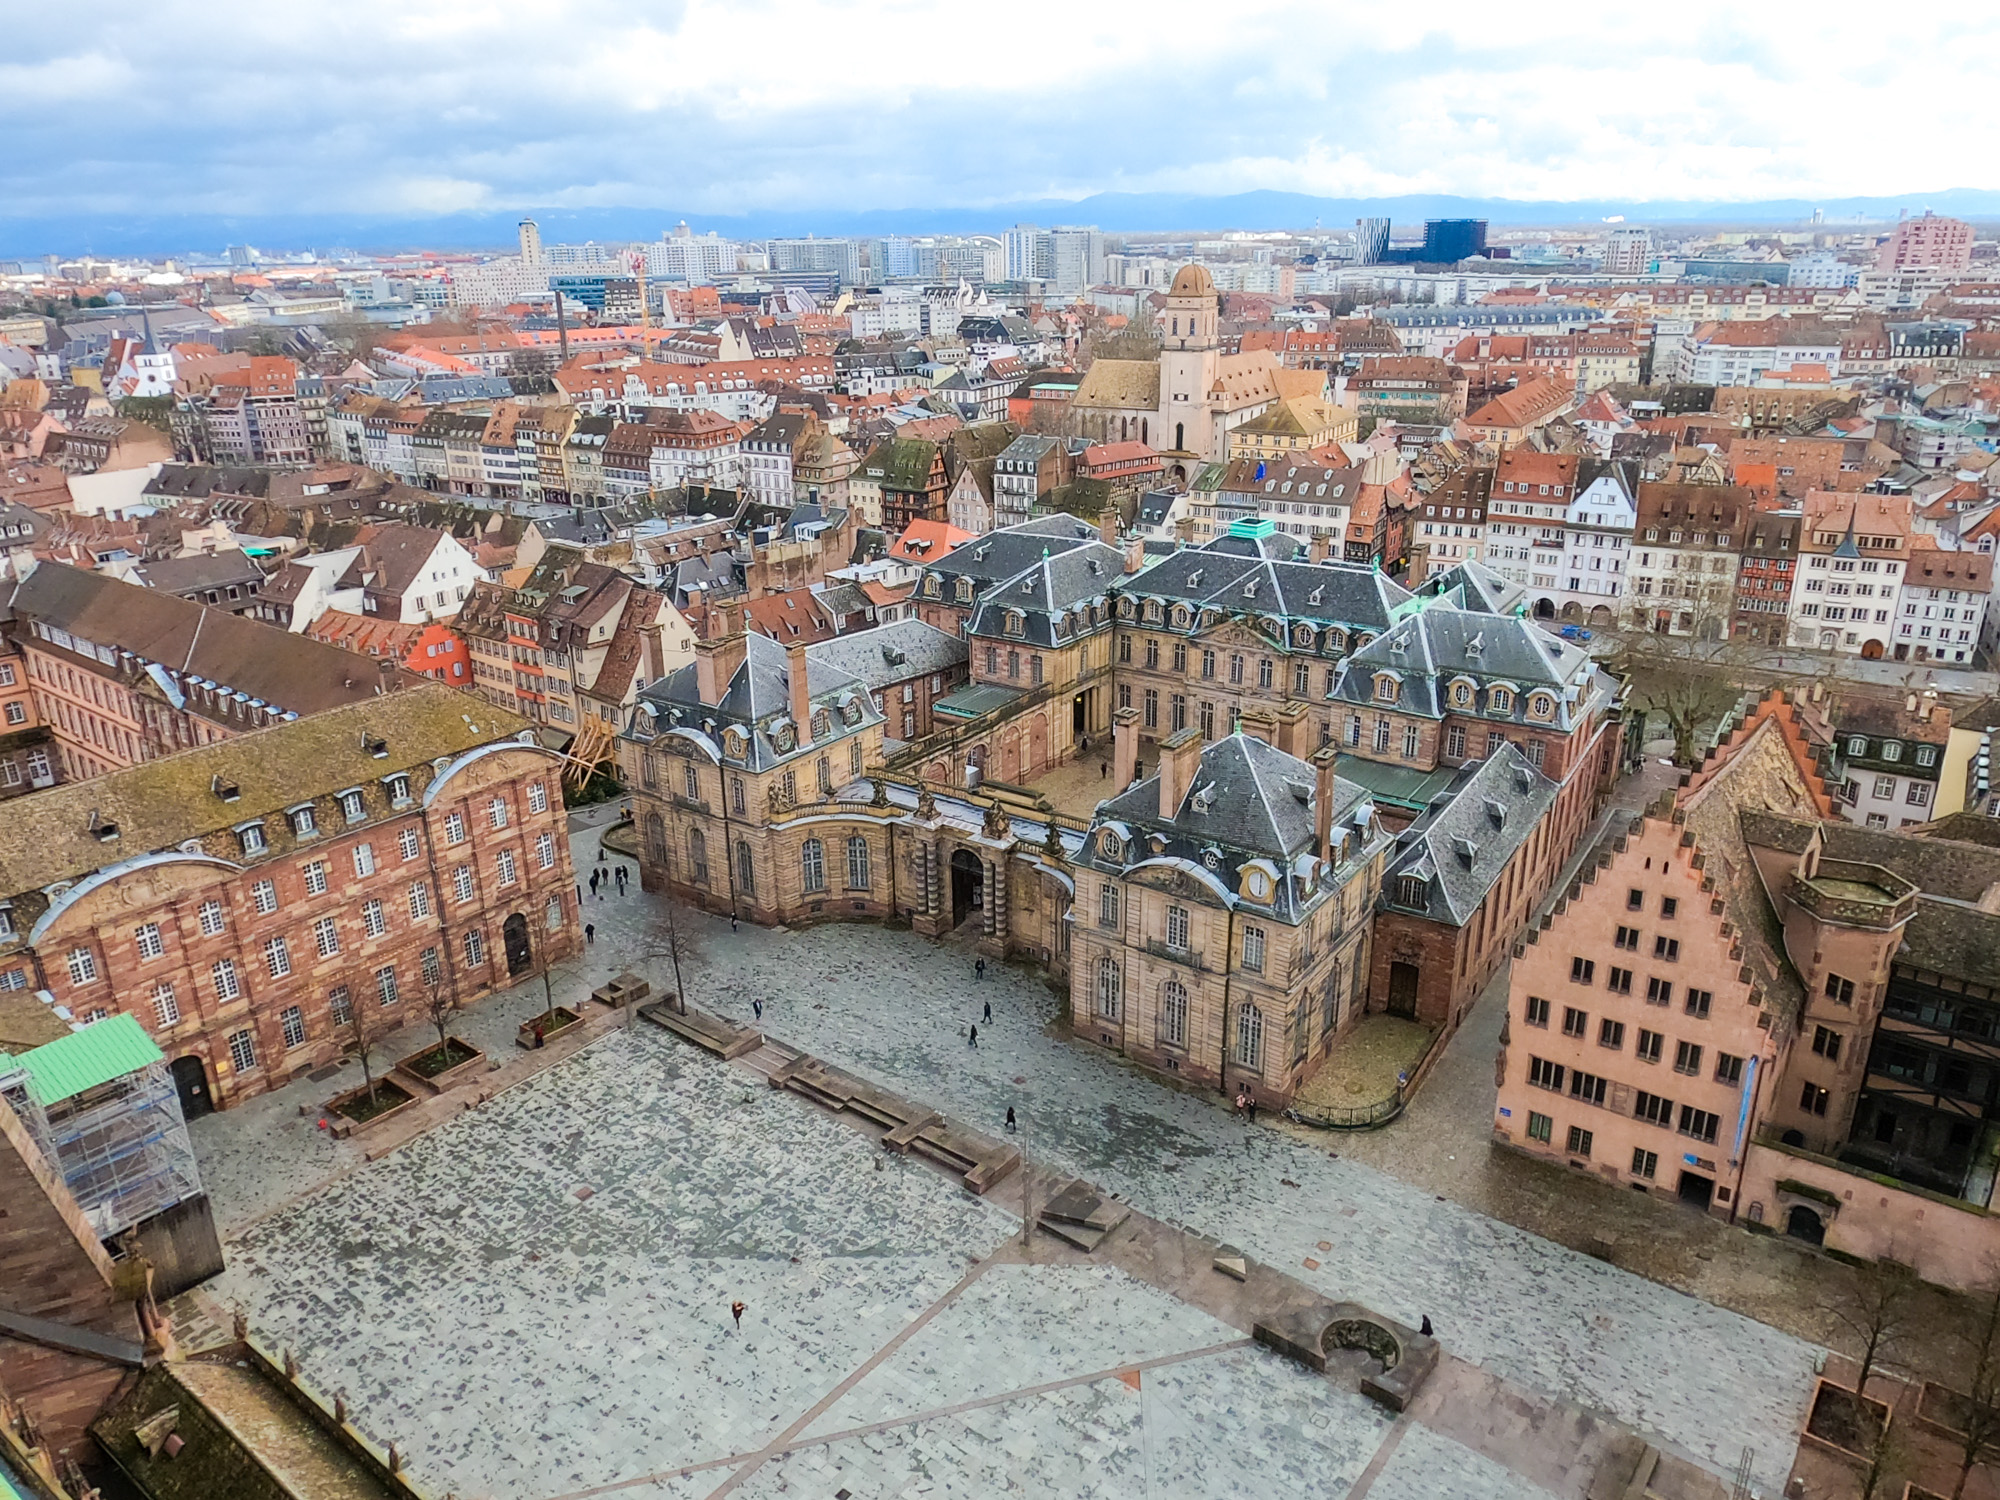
{"x": 964, "y": 590}
{"x": 1015, "y": 623}
{"x": 1542, "y": 706}
{"x": 822, "y": 726}
{"x": 1892, "y": 749}
{"x": 1386, "y": 689}
{"x": 250, "y": 838}
{"x": 399, "y": 789}
{"x": 1500, "y": 701}
{"x": 304, "y": 824}
{"x": 1857, "y": 746}
{"x": 351, "y": 806}
{"x": 1413, "y": 890}
{"x": 1461, "y": 694}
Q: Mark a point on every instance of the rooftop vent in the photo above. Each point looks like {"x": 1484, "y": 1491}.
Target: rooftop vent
{"x": 1466, "y": 851}
{"x": 1496, "y": 813}
{"x": 228, "y": 791}
{"x": 101, "y": 830}
{"x": 378, "y": 749}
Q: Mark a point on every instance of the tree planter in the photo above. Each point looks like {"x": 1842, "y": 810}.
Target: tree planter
{"x": 1915, "y": 1491}
{"x": 546, "y": 1027}
{"x": 1843, "y": 1423}
{"x": 437, "y": 1073}
{"x": 1942, "y": 1410}
{"x": 355, "y": 1110}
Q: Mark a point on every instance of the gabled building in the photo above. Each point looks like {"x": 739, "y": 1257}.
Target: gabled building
{"x": 909, "y": 477}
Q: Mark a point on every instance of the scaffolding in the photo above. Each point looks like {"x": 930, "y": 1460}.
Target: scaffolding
{"x": 121, "y": 1146}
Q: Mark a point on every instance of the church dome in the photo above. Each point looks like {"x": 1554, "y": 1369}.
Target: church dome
{"x": 1193, "y": 281}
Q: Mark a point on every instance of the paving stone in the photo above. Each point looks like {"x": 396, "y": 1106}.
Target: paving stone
{"x": 1428, "y": 1465}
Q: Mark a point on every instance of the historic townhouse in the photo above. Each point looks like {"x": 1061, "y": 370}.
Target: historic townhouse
{"x": 243, "y": 899}
{"x": 1206, "y": 633}
{"x": 1221, "y": 918}
{"x": 1765, "y": 575}
{"x": 1686, "y": 544}
{"x": 1528, "y": 503}
{"x": 1854, "y": 550}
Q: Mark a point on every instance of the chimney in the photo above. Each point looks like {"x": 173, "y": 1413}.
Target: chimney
{"x": 719, "y": 652}
{"x": 1107, "y": 526}
{"x": 1325, "y": 763}
{"x": 1259, "y": 723}
{"x": 1124, "y": 746}
{"x": 1180, "y": 757}
{"x": 1135, "y": 554}
{"x": 1292, "y": 728}
{"x": 1321, "y": 547}
{"x": 795, "y": 674}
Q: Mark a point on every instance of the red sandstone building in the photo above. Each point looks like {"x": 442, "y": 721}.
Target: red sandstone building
{"x": 242, "y": 900}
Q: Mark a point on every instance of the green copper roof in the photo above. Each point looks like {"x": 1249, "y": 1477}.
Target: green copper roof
{"x": 1256, "y": 529}
{"x": 102, "y": 1051}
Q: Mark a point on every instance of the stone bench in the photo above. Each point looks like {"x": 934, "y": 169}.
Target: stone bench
{"x": 710, "y": 1033}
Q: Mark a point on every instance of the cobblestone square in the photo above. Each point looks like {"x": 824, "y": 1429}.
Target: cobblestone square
{"x": 532, "y": 1300}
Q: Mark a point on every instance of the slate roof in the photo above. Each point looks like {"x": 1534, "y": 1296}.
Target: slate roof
{"x": 1474, "y": 586}
{"x": 205, "y": 570}
{"x": 1048, "y": 591}
{"x": 891, "y": 653}
{"x": 1247, "y": 801}
{"x": 1430, "y": 650}
{"x": 1464, "y": 839}
{"x": 756, "y": 699}
{"x": 1004, "y": 553}
{"x": 1220, "y": 579}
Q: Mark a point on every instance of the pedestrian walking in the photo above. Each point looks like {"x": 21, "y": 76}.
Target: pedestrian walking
{"x": 736, "y": 1310}
{"x": 1011, "y": 1126}
{"x": 600, "y": 854}
{"x": 988, "y": 1016}
{"x": 978, "y": 969}
{"x": 1250, "y": 1104}
{"x": 758, "y": 1007}
{"x": 1242, "y": 1101}
{"x": 972, "y": 1037}
{"x": 1426, "y": 1329}
{"x": 590, "y": 932}
{"x": 593, "y": 882}
{"x": 1104, "y": 771}
{"x": 732, "y": 921}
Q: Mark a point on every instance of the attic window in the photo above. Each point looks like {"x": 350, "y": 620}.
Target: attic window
{"x": 250, "y": 838}
{"x": 227, "y": 791}
{"x": 1496, "y": 814}
{"x": 1413, "y": 890}
{"x": 1466, "y": 850}
{"x": 378, "y": 749}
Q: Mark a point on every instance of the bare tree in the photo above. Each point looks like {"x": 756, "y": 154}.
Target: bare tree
{"x": 1881, "y": 1307}
{"x": 1980, "y": 1426}
{"x": 440, "y": 1005}
{"x": 677, "y": 944}
{"x": 363, "y": 1035}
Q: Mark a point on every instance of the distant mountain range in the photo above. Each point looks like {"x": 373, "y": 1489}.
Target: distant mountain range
{"x": 1128, "y": 213}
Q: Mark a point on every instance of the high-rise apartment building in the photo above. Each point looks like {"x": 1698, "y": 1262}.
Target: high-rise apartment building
{"x": 1928, "y": 243}
{"x": 1371, "y": 239}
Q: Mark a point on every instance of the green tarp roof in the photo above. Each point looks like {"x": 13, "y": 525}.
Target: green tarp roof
{"x": 102, "y": 1051}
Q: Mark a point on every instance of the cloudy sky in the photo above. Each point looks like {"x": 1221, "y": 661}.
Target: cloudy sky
{"x": 402, "y": 107}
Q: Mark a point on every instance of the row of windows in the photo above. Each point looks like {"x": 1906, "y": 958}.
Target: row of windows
{"x": 1246, "y": 1046}
{"x": 1578, "y": 1142}
{"x": 1590, "y": 1088}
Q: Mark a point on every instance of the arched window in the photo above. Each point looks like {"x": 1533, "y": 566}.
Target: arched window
{"x": 812, "y": 864}
{"x": 1177, "y": 927}
{"x": 1500, "y": 701}
{"x": 1416, "y": 891}
{"x": 656, "y": 840}
{"x": 1107, "y": 988}
{"x": 1173, "y": 1013}
{"x": 1249, "y": 1037}
{"x": 697, "y": 856}
{"x": 857, "y": 863}
{"x": 746, "y": 870}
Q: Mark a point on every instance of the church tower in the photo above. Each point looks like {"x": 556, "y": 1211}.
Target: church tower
{"x": 1189, "y": 361}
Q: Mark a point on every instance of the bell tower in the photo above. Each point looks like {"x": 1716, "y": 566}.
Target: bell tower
{"x": 1189, "y": 362}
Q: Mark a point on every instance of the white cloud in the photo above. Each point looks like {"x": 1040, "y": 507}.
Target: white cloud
{"x": 734, "y": 105}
